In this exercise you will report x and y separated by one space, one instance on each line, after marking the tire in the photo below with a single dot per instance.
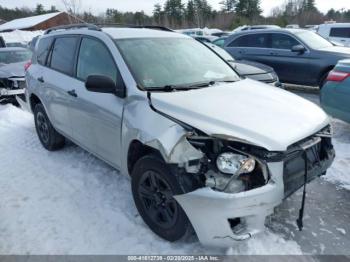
153 187
48 136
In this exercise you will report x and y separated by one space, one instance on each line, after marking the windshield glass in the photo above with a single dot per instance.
8 57
314 40
159 62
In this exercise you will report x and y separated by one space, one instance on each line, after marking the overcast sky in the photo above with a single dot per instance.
98 6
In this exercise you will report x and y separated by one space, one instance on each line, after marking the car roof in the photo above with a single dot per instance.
277 30
122 32
11 49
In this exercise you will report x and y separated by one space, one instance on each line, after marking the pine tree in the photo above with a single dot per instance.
157 13
248 8
228 5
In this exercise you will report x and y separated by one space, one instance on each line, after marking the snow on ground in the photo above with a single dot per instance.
69 202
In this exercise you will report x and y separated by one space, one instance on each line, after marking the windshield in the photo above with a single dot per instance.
160 62
8 57
314 40
221 52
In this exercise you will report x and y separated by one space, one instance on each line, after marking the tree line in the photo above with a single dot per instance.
199 13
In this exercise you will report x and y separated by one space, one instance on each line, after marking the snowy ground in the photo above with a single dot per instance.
69 202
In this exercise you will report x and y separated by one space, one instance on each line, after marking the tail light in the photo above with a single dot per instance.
337 76
27 65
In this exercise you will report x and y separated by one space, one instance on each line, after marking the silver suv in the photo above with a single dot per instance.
205 149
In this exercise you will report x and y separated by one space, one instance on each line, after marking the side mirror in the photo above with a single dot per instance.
298 49
103 84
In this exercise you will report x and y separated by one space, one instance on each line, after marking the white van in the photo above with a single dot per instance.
337 32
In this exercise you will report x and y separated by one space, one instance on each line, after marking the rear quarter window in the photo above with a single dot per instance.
343 32
43 49
251 40
63 54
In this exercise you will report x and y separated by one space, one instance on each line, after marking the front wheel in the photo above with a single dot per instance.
48 136
153 189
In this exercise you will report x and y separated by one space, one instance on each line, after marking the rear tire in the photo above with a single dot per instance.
153 187
48 136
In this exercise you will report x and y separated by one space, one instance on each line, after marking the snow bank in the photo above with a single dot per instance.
69 202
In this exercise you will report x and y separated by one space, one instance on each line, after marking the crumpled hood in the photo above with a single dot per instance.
248 110
12 70
245 68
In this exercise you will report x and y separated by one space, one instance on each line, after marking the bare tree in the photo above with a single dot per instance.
72 6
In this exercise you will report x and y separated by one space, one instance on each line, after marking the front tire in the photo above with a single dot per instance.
48 136
153 187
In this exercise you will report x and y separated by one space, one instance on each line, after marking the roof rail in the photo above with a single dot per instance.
155 27
72 26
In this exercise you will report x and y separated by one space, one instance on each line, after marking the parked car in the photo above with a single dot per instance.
249 69
205 39
298 56
221 34
337 32
203 147
12 81
254 27
220 41
294 26
335 94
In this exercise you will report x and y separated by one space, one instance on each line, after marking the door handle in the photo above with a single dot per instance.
72 93
41 79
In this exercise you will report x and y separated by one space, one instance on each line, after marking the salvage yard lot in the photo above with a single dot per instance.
69 202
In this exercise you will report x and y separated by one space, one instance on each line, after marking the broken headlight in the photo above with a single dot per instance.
232 163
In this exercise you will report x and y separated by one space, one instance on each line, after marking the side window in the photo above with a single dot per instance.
43 49
219 42
340 32
252 40
63 54
282 41
95 59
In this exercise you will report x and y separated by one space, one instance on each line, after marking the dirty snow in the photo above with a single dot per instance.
69 202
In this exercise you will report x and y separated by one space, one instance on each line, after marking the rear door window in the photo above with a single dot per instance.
95 59
251 40
343 32
283 41
63 54
43 49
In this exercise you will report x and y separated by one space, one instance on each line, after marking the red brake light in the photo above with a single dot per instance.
27 65
337 76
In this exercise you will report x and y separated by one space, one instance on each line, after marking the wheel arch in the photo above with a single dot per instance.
323 73
138 150
33 101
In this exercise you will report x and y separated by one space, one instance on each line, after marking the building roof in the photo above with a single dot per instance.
27 22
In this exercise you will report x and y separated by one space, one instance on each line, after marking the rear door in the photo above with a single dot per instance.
97 117
58 81
291 67
254 47
340 35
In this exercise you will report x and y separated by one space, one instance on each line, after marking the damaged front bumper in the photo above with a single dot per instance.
211 212
221 218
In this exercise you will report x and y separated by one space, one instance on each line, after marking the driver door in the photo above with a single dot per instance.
97 117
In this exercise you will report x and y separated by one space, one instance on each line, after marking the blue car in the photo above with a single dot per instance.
298 56
335 94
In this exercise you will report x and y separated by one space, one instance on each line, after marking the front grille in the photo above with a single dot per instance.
294 164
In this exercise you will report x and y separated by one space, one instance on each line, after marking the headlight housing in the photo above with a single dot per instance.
233 163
